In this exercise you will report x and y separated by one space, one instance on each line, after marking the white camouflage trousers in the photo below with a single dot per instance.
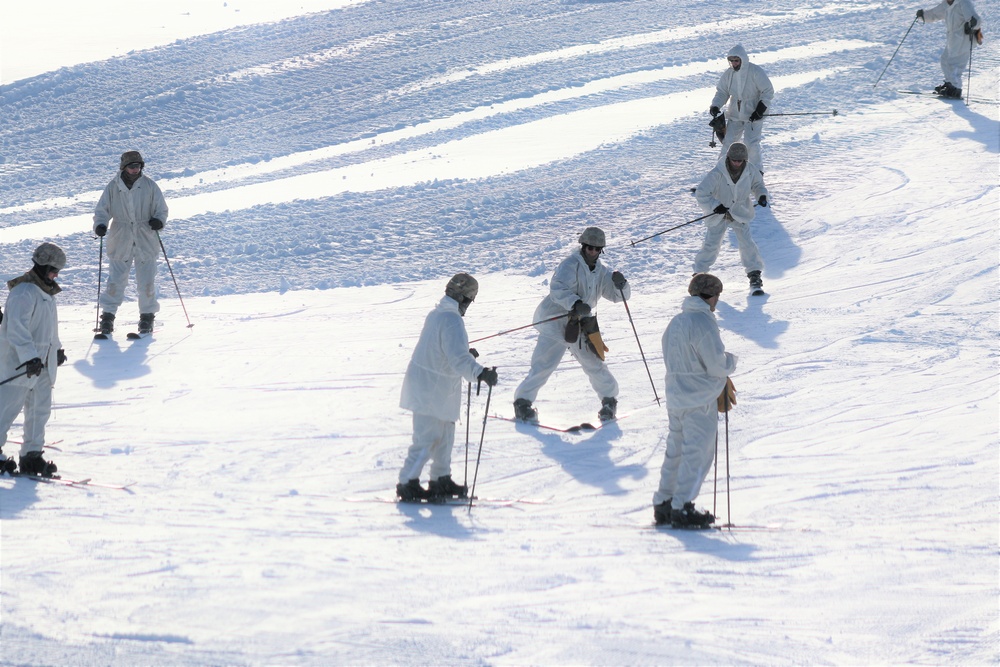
690 451
545 359
433 440
715 231
36 400
145 285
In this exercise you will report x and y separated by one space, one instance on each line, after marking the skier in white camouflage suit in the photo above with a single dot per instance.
30 352
749 92
698 370
577 285
134 208
729 192
432 390
963 31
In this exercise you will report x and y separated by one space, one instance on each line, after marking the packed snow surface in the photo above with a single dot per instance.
330 165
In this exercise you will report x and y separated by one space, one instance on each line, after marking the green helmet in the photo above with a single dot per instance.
49 254
705 285
462 286
593 236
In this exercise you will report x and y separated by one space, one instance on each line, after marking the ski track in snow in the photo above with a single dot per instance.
314 216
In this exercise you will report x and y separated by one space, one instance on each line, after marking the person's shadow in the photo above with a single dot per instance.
982 128
111 363
587 460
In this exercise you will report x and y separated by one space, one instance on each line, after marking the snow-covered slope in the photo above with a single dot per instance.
327 174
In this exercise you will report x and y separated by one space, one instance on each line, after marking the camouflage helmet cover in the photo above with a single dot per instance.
49 254
128 157
705 285
593 236
462 286
738 151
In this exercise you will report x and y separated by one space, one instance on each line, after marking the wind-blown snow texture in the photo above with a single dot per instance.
326 174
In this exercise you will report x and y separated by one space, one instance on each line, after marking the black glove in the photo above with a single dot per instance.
920 14
155 224
489 376
60 357
758 113
762 200
101 230
715 111
618 279
581 309
33 367
474 352
720 209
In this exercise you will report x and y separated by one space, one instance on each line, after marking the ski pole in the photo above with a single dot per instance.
167 259
639 343
715 485
968 83
503 333
804 113
482 436
14 377
729 506
896 51
100 270
671 229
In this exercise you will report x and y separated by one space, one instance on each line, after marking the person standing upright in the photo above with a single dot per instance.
29 342
729 192
698 370
432 391
748 90
963 30
131 211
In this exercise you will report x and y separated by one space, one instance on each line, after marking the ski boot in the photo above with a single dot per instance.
107 323
608 407
32 463
661 513
951 92
7 464
756 284
411 492
523 412
940 89
146 323
443 488
690 518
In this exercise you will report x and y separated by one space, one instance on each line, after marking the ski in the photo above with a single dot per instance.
585 427
131 335
757 291
476 500
77 483
926 93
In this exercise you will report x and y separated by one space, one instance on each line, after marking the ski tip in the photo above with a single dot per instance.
101 336
586 426
133 336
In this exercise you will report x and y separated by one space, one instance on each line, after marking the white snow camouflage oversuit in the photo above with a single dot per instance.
572 281
432 389
126 214
697 366
958 45
743 89
718 187
30 329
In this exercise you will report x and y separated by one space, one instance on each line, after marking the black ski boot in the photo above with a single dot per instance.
523 412
951 92
444 487
107 323
661 513
940 89
146 323
608 407
756 284
690 518
32 463
411 492
7 464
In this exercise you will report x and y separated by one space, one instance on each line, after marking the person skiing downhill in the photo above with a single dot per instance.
134 207
698 370
29 343
432 390
729 192
749 92
963 31
577 284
